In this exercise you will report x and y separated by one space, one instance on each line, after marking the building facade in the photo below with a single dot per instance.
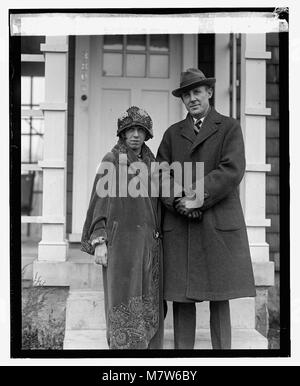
85 83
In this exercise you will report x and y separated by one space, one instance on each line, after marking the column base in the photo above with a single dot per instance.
52 251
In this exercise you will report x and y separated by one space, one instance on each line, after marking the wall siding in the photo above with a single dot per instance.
272 155
272 144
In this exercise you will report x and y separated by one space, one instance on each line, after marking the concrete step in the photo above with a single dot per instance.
78 272
96 339
85 340
242 338
85 310
242 312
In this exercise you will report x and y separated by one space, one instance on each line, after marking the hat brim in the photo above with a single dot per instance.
148 132
203 82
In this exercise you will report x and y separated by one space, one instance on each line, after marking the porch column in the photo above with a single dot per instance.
53 246
253 122
222 73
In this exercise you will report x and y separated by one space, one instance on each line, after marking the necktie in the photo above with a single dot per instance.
197 126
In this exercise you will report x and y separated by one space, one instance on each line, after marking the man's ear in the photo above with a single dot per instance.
210 92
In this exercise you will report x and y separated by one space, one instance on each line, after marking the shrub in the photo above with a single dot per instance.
38 330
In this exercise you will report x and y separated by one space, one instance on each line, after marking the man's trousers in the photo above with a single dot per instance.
184 319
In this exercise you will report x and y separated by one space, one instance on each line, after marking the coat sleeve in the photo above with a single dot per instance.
229 173
97 213
164 154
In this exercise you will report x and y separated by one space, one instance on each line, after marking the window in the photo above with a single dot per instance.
32 129
32 124
136 56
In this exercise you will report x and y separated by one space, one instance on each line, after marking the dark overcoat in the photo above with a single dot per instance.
208 259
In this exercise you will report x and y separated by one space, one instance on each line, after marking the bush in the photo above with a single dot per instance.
40 329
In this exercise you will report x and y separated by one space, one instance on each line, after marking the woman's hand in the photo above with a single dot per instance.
101 254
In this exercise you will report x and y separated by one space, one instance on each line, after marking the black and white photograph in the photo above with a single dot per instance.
149 164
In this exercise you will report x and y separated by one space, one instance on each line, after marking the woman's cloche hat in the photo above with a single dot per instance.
192 77
135 116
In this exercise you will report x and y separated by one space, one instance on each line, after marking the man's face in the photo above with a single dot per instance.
135 137
197 100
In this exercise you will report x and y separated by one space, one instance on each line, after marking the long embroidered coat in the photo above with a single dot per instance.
133 277
207 260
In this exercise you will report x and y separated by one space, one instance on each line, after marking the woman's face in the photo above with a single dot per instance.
135 137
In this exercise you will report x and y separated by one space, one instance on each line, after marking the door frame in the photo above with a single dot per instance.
81 111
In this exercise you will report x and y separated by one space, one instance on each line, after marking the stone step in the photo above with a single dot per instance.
242 313
242 338
85 310
96 339
85 340
85 275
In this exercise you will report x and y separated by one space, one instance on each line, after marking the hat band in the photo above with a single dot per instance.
194 80
136 123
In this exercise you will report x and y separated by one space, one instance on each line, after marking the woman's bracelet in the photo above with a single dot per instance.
98 241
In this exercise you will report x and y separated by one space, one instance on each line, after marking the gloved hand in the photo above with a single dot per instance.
179 205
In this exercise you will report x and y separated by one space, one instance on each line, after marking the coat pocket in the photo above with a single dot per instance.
229 216
113 233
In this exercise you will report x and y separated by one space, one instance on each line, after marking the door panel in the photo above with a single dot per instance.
157 105
112 95
113 101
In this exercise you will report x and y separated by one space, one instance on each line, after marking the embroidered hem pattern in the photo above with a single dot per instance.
132 325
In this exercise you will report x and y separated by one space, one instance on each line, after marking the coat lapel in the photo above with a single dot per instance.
209 127
187 129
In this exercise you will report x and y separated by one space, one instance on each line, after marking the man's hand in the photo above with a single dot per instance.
180 206
101 254
196 214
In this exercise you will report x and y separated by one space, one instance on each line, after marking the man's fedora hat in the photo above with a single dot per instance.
191 78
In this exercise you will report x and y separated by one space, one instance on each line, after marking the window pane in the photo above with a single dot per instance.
31 44
136 42
38 91
112 64
135 65
25 148
159 42
25 90
159 66
38 182
32 69
38 126
113 42
25 126
37 147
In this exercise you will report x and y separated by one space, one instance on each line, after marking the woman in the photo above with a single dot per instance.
123 233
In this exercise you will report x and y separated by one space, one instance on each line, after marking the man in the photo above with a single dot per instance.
206 251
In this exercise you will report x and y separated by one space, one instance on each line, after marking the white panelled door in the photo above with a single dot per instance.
129 71
123 71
